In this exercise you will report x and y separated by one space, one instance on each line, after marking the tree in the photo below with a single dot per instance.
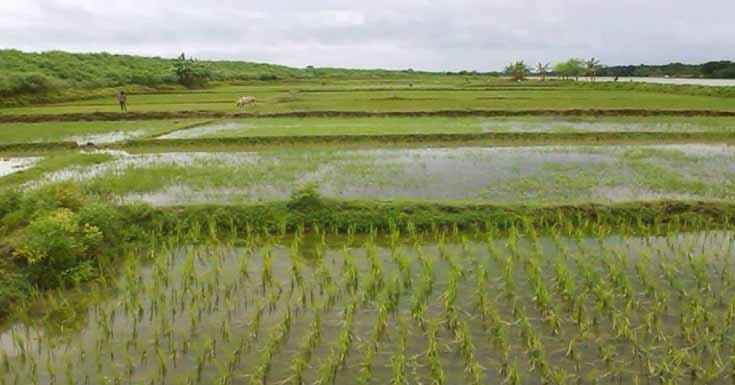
543 69
191 73
591 68
517 70
709 69
570 68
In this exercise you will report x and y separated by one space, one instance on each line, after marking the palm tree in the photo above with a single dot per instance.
591 67
543 69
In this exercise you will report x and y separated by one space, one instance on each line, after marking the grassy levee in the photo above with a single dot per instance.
204 114
360 215
424 140
20 148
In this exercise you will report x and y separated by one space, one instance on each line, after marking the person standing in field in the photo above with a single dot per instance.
123 100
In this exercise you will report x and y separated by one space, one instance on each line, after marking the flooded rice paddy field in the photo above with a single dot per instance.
433 125
97 132
433 308
12 165
546 174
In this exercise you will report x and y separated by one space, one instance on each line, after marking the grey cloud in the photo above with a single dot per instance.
423 34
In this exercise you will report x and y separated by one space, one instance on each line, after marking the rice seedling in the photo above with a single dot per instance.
303 356
398 360
432 353
279 334
338 354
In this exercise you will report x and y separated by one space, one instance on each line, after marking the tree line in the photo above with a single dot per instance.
722 69
591 68
572 68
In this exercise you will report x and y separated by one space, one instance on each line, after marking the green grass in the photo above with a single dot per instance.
285 98
77 131
289 126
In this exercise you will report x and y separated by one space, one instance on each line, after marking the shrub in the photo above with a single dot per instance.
32 83
105 218
191 73
13 288
266 77
55 245
27 83
305 198
56 235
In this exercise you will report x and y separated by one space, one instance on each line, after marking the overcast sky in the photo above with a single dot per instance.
420 34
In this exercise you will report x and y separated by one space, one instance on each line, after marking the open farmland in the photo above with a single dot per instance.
396 95
424 230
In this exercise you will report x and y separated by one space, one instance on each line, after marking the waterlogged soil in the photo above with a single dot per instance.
221 128
124 161
108 137
430 125
698 82
83 132
466 309
12 165
545 174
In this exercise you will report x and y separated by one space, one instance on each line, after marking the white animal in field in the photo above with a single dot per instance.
245 100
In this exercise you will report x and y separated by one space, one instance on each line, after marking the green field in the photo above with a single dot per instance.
586 247
510 175
332 97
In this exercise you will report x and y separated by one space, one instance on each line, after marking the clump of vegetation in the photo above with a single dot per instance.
572 68
517 70
305 198
56 237
191 73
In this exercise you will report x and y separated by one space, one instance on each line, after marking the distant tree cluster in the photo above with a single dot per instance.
591 68
570 69
722 69
574 68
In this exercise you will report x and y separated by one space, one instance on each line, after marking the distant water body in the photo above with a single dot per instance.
700 82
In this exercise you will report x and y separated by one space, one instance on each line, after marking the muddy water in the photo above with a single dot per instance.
182 318
124 161
205 129
698 82
108 137
561 125
12 165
